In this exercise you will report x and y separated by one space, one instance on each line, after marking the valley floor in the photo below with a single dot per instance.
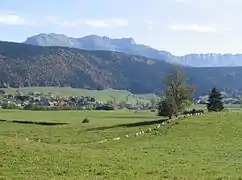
201 147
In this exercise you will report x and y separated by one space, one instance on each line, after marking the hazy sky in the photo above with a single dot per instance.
179 26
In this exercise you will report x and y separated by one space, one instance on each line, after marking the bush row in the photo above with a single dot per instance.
61 108
55 108
10 106
194 111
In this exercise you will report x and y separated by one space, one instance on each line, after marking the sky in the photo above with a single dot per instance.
178 26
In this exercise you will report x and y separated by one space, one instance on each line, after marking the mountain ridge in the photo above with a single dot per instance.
95 42
129 46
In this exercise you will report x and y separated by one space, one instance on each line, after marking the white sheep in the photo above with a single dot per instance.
103 141
149 130
158 126
136 134
142 132
116 139
127 136
27 139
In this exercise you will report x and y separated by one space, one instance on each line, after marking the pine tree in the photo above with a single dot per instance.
215 101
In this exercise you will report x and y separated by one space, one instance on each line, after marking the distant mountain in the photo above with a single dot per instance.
94 42
211 60
129 46
28 65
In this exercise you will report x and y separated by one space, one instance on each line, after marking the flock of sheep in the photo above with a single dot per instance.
149 130
156 127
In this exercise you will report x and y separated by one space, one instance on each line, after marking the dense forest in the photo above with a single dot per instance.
28 65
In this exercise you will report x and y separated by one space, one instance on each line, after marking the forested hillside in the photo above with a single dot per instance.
27 65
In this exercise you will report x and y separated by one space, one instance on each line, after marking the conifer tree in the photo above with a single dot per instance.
215 103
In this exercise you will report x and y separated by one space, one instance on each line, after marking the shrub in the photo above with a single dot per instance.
194 111
10 105
34 107
167 107
152 110
48 108
105 108
86 120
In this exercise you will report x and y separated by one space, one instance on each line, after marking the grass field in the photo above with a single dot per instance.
231 107
104 95
201 147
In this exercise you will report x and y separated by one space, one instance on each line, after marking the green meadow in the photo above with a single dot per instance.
200 147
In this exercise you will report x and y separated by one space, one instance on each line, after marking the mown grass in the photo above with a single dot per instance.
104 95
201 147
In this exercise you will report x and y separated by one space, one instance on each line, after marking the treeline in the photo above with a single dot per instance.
34 107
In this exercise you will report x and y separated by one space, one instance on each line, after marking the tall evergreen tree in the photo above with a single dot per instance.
215 103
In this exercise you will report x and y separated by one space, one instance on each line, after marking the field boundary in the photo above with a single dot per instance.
149 130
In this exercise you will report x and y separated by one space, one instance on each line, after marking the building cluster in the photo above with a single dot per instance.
204 100
40 101
20 99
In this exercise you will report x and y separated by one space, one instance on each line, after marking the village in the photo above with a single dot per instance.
40 101
226 100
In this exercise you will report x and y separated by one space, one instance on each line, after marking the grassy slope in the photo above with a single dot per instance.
205 147
108 94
